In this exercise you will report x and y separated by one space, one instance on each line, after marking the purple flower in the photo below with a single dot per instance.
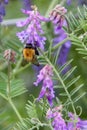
33 32
57 16
58 122
47 88
2 9
68 2
27 4
76 124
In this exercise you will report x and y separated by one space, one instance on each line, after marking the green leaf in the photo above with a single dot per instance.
61 69
3 76
17 88
69 73
79 97
76 89
73 81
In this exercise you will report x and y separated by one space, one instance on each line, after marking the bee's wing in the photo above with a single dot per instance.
35 61
36 51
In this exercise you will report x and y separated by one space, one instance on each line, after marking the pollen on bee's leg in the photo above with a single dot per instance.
27 54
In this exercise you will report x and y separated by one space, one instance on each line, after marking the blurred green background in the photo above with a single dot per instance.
28 75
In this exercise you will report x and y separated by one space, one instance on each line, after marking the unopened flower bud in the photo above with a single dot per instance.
57 15
10 55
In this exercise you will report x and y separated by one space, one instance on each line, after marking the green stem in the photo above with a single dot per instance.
53 3
60 79
8 84
18 64
15 110
2 95
8 93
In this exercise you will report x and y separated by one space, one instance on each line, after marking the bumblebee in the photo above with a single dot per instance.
29 54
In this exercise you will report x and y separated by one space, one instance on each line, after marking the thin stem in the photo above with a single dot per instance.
8 93
8 84
18 64
60 79
15 110
53 3
2 95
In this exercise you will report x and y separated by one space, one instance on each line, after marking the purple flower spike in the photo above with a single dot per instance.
65 48
58 122
2 9
64 53
47 88
34 31
79 125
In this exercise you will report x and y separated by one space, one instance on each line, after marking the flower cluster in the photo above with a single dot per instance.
57 16
47 88
78 125
33 33
2 9
58 123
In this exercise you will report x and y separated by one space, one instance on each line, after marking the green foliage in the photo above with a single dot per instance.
77 30
65 82
68 87
77 23
17 87
4 120
36 113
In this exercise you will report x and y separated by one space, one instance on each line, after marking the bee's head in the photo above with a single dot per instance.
28 46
